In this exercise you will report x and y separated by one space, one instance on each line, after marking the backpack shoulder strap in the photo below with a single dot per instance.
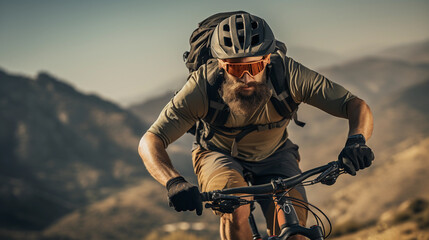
218 110
279 78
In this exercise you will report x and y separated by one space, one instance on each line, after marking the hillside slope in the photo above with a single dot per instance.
60 149
133 213
416 53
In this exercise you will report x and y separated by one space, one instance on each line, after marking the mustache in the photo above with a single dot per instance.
238 85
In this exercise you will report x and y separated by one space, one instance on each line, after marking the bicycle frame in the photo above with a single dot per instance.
328 175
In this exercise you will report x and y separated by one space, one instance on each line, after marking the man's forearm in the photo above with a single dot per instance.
360 118
156 159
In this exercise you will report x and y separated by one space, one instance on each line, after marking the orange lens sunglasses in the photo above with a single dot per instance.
252 68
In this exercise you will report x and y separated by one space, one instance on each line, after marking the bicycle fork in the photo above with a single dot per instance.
255 232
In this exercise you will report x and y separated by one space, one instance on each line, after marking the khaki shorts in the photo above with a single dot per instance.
216 171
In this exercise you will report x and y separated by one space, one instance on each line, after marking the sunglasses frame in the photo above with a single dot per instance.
266 60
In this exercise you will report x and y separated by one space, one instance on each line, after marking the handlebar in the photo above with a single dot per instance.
225 202
329 174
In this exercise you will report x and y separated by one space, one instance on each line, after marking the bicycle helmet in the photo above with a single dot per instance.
242 35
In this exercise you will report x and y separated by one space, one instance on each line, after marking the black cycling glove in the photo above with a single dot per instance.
356 154
184 196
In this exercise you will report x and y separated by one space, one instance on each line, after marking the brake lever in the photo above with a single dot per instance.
330 175
222 207
225 203
330 179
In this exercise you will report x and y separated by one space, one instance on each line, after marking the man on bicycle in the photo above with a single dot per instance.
253 138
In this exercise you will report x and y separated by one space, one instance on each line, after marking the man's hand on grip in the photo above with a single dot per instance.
184 196
356 154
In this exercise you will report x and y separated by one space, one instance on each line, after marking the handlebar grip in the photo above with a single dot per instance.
206 196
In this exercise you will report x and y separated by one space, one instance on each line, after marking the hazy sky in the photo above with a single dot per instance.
126 50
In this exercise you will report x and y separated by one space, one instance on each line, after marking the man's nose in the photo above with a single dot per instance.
247 78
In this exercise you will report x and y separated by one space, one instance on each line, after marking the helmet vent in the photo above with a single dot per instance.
227 41
254 25
241 39
240 25
255 40
226 27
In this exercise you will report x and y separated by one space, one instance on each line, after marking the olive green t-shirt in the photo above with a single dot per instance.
191 104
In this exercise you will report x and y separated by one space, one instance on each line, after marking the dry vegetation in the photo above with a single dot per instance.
172 236
138 211
409 221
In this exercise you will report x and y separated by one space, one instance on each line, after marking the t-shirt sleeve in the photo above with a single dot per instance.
182 112
313 88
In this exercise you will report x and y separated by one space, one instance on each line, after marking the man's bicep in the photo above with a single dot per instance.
331 98
303 82
313 88
191 101
170 125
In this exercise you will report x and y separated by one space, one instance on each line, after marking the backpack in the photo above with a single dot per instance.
200 52
217 115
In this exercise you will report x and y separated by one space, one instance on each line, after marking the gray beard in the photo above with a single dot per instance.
240 104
